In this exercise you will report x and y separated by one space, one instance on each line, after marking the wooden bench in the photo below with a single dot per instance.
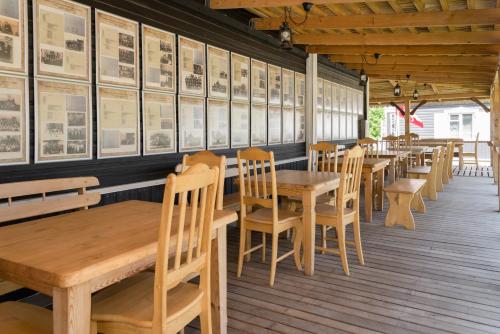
404 195
30 199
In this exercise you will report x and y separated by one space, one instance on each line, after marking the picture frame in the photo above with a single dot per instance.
258 125
274 85
274 123
349 113
240 124
159 60
159 126
259 81
191 123
300 90
342 112
240 77
117 122
14 37
300 125
217 124
288 90
62 40
63 121
117 50
192 67
327 95
335 112
288 125
218 68
320 93
14 120
327 125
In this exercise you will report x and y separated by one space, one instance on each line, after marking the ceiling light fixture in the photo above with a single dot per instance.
285 30
397 89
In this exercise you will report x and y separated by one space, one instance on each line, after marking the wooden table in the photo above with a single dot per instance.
372 166
459 144
394 157
419 152
70 256
308 185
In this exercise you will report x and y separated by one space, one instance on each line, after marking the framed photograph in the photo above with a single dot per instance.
335 112
191 123
240 77
14 36
63 119
62 40
240 124
14 121
217 124
288 88
159 123
274 125
300 125
288 125
319 94
117 50
300 90
349 112
159 60
274 84
218 73
259 82
118 122
258 132
192 59
327 125
342 112
319 124
327 95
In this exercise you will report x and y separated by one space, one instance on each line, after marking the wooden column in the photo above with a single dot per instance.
407 121
495 124
311 92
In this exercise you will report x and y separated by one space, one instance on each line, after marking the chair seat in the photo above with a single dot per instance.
330 211
22 318
265 216
419 170
131 301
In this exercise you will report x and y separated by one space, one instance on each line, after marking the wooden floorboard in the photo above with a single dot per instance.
444 277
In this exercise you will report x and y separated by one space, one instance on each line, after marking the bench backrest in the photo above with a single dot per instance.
14 208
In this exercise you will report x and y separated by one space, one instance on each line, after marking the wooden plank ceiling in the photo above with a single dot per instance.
450 48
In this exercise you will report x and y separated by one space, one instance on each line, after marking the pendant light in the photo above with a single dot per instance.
397 90
285 31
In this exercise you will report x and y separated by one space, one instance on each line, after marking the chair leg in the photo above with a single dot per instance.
297 243
357 240
477 161
206 316
274 258
323 238
241 254
263 247
342 248
248 257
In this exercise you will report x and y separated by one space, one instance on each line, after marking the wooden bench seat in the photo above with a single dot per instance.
404 195
420 170
22 318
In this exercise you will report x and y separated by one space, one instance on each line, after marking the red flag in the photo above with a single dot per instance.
413 119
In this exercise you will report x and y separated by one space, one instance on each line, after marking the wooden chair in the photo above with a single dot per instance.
429 173
161 302
390 143
449 166
444 174
414 139
473 154
22 318
41 202
260 189
340 216
371 146
441 161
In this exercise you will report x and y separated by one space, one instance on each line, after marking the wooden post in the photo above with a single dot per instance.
407 121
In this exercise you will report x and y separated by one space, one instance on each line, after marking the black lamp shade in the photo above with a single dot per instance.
363 78
415 94
286 36
397 90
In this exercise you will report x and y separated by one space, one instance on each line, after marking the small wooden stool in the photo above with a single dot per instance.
404 195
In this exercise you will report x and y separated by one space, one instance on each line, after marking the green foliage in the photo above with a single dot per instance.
375 117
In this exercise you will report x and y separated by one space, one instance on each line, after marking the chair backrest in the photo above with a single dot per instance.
371 146
441 160
445 173
184 234
38 203
476 144
212 160
320 157
449 166
390 143
402 140
414 139
254 181
350 179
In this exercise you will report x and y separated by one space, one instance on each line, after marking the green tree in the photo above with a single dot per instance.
375 117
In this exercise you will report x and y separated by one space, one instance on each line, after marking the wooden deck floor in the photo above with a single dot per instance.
472 170
442 278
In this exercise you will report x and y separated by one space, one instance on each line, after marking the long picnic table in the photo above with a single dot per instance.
72 255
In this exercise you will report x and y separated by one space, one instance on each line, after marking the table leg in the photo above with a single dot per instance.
379 206
218 284
392 171
460 157
309 221
368 196
72 310
399 211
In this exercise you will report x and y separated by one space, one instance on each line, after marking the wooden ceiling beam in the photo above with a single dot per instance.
470 82
418 60
413 50
234 4
426 68
443 38
402 74
435 97
404 20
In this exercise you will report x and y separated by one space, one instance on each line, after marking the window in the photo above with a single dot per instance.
455 125
467 126
461 126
